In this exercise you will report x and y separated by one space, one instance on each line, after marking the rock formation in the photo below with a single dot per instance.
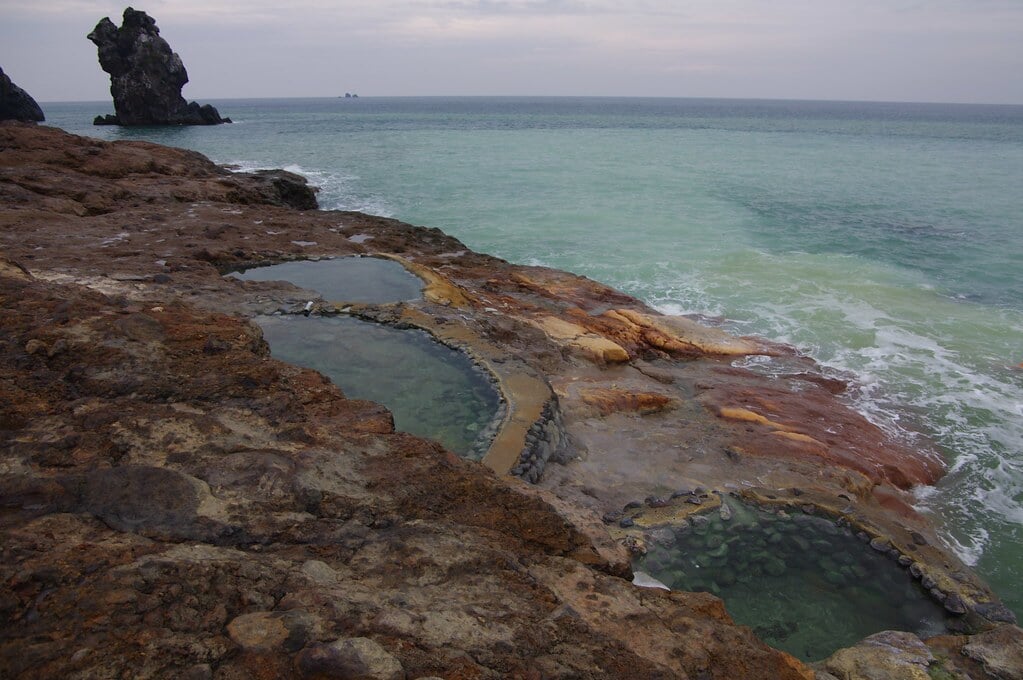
176 503
146 77
15 103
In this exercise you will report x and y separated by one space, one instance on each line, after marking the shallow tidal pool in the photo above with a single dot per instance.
366 280
804 584
433 391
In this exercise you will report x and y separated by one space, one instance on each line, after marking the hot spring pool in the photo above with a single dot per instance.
801 582
433 391
367 280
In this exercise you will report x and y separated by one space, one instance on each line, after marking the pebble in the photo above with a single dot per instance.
954 604
33 346
612 516
626 522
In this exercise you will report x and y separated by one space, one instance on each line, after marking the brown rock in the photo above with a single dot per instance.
258 632
889 655
610 400
175 498
350 659
267 632
1000 651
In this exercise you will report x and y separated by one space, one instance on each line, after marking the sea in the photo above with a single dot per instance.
885 240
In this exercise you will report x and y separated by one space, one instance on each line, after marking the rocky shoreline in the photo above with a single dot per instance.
177 503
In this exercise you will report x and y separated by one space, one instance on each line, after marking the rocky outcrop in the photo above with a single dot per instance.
146 77
16 104
177 503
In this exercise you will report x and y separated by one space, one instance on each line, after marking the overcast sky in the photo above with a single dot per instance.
888 50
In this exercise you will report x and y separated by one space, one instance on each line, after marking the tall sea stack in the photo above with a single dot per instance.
146 76
15 103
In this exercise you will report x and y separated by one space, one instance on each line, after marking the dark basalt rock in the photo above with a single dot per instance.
280 187
15 103
146 77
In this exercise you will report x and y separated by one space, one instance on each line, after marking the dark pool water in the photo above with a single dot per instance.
804 584
433 391
367 280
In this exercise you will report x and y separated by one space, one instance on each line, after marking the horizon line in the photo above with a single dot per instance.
559 96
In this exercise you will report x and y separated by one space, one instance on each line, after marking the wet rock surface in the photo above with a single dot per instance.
177 503
16 104
146 76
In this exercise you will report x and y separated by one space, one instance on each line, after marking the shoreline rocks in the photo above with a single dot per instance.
294 517
16 104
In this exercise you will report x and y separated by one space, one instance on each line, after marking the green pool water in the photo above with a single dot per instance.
804 584
433 391
368 280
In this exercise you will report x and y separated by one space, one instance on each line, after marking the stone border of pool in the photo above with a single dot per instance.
530 430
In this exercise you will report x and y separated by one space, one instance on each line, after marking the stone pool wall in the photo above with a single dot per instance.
545 440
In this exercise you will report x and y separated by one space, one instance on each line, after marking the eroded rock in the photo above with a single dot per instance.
1000 651
350 658
890 655
128 353
146 77
16 104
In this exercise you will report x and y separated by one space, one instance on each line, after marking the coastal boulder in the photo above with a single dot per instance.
15 103
146 76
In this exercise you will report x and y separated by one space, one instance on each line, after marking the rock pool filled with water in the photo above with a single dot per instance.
804 584
433 391
367 280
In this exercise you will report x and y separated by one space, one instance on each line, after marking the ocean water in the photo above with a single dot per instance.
884 240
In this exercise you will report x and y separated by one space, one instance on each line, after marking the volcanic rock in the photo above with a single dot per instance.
888 655
16 104
178 503
146 77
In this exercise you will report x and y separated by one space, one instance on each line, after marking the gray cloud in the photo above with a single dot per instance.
941 50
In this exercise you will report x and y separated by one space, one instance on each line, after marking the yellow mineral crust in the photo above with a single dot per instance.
780 429
591 345
437 289
679 335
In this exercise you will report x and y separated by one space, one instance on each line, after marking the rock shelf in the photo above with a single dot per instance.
179 503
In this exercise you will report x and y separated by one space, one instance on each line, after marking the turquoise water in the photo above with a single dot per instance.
431 390
804 584
885 240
